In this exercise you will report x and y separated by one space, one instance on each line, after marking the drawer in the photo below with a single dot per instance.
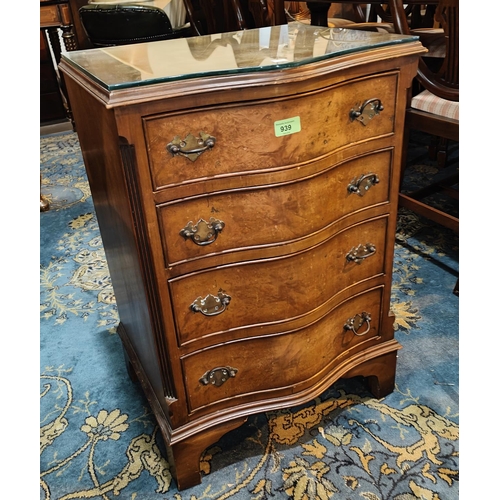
293 360
54 15
325 125
275 290
211 224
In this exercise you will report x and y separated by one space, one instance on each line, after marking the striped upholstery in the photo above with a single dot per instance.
425 101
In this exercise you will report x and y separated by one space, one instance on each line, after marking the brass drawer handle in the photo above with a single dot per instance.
355 323
366 111
211 305
362 184
217 376
361 252
191 147
203 232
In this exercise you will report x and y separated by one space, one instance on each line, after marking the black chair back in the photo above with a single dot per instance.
109 25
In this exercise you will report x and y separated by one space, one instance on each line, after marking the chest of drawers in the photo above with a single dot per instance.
246 194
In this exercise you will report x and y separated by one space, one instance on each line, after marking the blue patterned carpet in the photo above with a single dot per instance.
99 440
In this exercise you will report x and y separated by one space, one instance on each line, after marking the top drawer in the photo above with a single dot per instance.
326 123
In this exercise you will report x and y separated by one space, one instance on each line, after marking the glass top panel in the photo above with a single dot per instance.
245 51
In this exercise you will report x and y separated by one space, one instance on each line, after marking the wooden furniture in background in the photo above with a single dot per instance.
435 110
54 15
319 10
108 25
248 214
52 107
82 40
217 16
57 15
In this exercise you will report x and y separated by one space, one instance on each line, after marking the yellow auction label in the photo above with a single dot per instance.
287 127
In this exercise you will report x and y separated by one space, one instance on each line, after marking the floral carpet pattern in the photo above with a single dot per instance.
99 439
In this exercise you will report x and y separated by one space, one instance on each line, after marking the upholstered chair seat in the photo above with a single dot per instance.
431 103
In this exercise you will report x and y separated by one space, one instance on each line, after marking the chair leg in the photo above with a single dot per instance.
443 185
404 155
438 151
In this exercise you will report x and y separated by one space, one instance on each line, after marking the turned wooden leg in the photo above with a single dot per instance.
319 13
379 372
184 456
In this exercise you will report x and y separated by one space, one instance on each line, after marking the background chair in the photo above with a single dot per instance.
417 15
434 110
215 16
374 16
107 25
220 16
345 14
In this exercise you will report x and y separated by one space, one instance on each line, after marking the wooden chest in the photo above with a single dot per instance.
246 191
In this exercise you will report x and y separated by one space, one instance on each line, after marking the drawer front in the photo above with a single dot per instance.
325 125
293 360
54 15
217 223
275 290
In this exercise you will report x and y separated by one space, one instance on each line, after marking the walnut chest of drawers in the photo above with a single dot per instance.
245 186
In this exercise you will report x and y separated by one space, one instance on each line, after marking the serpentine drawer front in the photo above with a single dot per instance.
282 212
245 138
264 291
288 361
247 202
